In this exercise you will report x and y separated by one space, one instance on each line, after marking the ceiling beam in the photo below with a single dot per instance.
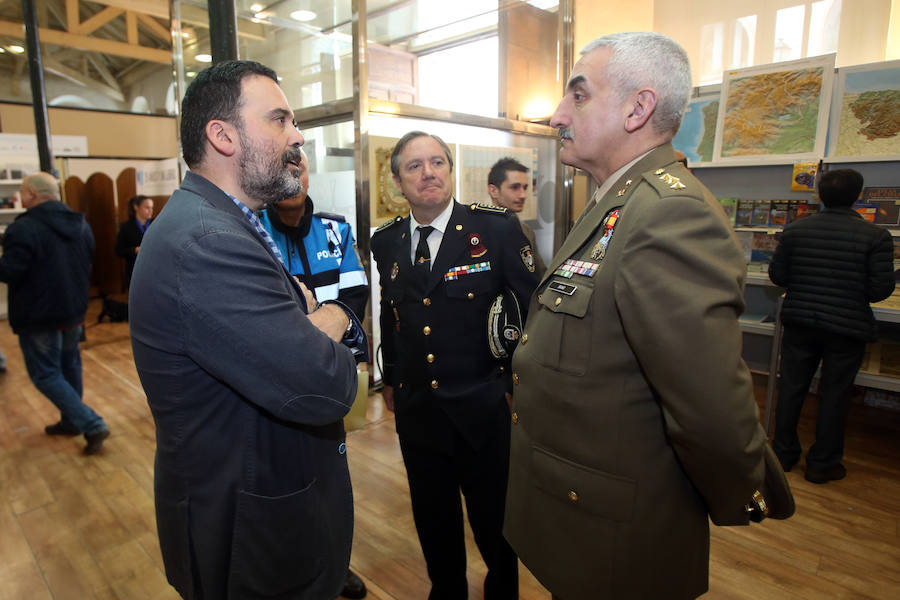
101 68
97 21
73 20
131 35
61 38
190 15
154 28
74 76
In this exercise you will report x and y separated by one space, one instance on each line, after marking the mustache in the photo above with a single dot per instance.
564 134
291 154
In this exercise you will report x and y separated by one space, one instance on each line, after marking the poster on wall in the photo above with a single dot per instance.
158 177
776 113
697 134
865 119
475 164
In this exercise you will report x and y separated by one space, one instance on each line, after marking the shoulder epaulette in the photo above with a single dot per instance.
488 208
331 216
388 224
667 183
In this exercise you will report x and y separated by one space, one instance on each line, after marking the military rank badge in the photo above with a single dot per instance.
395 270
609 225
476 247
527 258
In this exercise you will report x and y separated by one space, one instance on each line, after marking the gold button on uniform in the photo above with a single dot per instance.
558 301
516 378
426 301
434 384
426 330
515 418
430 358
573 496
470 295
524 339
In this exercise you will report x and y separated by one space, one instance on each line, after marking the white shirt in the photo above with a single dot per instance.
434 240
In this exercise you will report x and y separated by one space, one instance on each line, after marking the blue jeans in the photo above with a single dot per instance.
53 361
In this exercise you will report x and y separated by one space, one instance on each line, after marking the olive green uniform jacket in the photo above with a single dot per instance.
633 413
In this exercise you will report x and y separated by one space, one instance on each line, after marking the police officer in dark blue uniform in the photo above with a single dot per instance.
441 270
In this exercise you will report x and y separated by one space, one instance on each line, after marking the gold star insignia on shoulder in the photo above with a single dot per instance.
672 181
621 192
659 171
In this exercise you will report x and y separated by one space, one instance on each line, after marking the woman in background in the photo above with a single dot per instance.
131 232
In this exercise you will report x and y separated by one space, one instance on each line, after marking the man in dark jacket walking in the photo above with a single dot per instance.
833 265
47 255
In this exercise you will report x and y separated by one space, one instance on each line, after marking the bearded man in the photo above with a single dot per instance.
247 386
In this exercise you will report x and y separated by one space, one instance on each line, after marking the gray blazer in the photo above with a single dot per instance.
253 493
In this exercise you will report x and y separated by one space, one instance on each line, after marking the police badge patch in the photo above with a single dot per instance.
527 258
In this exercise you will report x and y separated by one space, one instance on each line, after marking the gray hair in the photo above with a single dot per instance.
44 185
646 59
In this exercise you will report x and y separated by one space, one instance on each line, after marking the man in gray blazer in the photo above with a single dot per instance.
246 384
633 414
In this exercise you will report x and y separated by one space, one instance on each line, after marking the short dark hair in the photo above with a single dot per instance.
498 172
840 187
214 94
133 204
402 142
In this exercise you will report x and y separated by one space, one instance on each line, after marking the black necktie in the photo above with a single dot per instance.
423 254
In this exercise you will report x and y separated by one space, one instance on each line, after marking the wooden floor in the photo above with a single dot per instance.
76 527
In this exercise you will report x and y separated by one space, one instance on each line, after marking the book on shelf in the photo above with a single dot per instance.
762 249
867 210
803 178
887 200
801 208
779 214
729 205
743 216
761 210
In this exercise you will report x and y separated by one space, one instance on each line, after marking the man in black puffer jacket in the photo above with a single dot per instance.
47 255
833 265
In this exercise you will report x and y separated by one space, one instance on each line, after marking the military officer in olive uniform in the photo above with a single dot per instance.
633 417
441 269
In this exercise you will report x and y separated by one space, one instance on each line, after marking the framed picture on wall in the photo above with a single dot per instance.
776 113
697 135
385 199
865 116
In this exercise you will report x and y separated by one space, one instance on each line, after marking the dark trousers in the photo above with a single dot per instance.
802 349
435 481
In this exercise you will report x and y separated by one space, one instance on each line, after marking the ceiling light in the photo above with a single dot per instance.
303 15
255 20
261 16
16 49
190 74
2 50
256 7
204 58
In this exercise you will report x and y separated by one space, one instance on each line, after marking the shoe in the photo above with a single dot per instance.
787 465
354 587
95 441
60 429
831 474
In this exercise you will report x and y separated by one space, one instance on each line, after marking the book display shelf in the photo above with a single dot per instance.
11 173
759 322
